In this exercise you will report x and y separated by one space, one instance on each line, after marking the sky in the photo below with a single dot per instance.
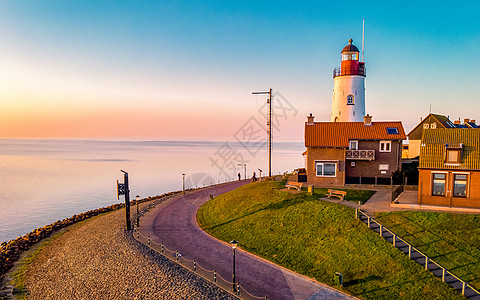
187 69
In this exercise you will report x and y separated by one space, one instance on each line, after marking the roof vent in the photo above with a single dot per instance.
310 119
367 120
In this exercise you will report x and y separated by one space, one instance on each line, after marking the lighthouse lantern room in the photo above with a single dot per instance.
348 103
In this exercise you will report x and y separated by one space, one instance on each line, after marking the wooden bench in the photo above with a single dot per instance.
295 185
336 193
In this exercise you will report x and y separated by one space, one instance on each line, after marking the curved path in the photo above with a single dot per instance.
173 223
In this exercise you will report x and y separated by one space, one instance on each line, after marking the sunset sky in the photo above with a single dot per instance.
187 69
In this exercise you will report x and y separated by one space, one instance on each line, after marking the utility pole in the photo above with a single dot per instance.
269 128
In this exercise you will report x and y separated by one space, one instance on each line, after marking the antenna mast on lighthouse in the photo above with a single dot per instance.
363 38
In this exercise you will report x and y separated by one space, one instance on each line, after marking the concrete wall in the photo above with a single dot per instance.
473 189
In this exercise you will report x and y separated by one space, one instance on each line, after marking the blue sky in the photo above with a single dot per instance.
179 69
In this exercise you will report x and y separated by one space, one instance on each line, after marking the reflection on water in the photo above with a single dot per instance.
46 180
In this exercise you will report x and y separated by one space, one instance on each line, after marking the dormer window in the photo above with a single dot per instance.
453 155
353 145
350 99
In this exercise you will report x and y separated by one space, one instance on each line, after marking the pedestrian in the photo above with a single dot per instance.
254 178
239 177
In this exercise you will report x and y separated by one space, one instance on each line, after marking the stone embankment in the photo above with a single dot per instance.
100 260
10 251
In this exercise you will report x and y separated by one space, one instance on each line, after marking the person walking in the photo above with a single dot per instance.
239 176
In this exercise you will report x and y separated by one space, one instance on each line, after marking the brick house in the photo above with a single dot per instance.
341 151
449 169
432 121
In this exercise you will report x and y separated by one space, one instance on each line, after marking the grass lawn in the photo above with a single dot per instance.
318 238
452 240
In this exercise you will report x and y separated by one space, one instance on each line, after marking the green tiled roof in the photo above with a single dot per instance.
434 141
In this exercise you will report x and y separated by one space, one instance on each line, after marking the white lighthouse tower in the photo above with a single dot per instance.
348 103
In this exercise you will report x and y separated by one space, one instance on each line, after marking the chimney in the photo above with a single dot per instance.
466 120
472 121
310 119
367 120
456 122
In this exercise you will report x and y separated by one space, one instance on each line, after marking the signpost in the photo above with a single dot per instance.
122 189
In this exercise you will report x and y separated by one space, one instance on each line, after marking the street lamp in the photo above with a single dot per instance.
137 198
183 175
245 166
234 244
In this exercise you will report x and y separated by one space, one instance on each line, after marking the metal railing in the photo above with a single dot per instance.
360 154
354 70
416 255
191 264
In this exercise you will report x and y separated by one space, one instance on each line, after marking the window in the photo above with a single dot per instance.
433 125
383 167
453 156
438 184
353 145
350 99
385 146
392 130
326 169
459 185
426 126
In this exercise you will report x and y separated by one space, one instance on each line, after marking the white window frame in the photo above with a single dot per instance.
323 162
350 99
351 143
387 144
426 126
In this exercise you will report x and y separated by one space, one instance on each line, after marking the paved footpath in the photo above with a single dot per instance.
173 223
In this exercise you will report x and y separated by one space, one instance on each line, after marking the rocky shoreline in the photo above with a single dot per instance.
100 260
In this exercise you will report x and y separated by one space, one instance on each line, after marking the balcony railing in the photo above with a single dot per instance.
360 70
360 154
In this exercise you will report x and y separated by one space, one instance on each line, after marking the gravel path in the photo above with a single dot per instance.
98 260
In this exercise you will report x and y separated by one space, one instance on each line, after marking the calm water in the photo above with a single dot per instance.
46 180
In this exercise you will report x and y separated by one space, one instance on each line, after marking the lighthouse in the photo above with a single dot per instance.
348 103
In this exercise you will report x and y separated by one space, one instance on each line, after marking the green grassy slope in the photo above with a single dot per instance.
452 240
317 239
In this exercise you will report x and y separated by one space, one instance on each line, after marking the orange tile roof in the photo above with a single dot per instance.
338 134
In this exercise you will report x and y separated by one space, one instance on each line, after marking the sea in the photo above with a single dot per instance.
45 180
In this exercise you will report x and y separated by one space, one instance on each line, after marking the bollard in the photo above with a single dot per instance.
238 289
443 275
463 288
356 213
410 251
176 255
368 220
394 239
194 265
162 247
381 226
214 275
426 262
149 240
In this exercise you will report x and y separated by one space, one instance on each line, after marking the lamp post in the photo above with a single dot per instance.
234 244
137 198
126 192
245 167
183 176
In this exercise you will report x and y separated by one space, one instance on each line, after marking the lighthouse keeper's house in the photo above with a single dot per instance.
341 151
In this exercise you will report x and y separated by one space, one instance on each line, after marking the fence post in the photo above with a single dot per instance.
381 230
214 275
463 288
356 213
443 274
426 262
368 220
409 251
394 239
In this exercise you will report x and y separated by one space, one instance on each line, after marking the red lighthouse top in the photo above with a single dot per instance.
350 64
